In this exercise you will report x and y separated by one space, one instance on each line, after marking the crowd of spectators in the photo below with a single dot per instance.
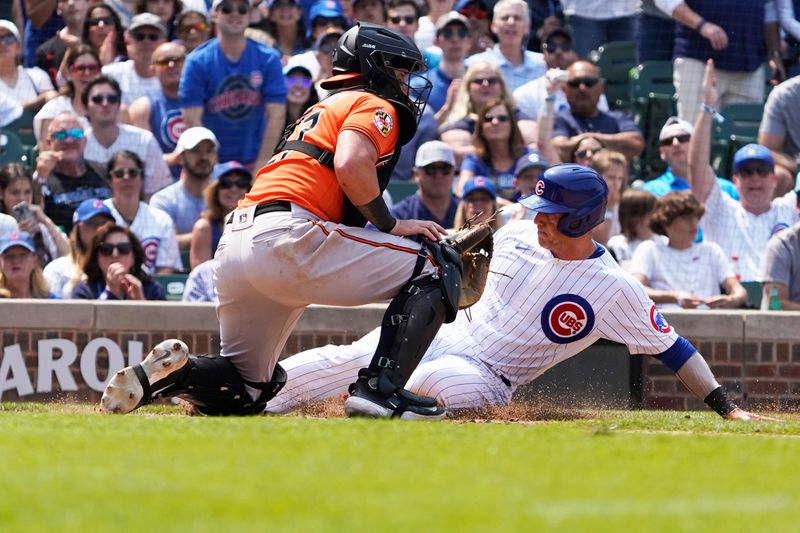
153 117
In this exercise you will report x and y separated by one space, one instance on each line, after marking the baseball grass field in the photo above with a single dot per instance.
68 468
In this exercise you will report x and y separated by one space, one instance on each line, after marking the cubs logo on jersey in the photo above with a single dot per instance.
150 247
567 318
658 321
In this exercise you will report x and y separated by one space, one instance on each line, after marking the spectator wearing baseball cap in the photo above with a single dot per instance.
29 87
478 203
434 170
526 173
743 228
301 91
673 146
183 200
478 17
20 273
230 182
134 76
324 16
62 273
452 38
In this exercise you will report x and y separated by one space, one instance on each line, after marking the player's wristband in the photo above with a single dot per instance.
378 213
719 402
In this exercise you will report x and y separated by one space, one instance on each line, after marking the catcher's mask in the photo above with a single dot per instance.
578 192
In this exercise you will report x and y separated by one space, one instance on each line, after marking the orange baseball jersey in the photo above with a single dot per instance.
301 179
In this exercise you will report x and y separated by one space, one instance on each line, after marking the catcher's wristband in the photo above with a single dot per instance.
378 213
719 402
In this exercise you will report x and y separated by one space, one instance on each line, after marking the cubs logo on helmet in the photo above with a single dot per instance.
540 187
567 318
658 321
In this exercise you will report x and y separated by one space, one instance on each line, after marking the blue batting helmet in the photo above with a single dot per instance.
578 192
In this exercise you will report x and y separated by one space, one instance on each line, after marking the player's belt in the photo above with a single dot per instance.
268 207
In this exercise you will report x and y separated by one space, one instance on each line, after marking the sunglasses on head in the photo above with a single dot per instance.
198 26
153 37
486 81
86 70
302 81
8 39
227 9
106 249
242 182
100 98
96 21
166 61
474 12
564 46
588 82
761 170
586 152
408 19
432 170
684 138
75 134
488 117
122 172
449 33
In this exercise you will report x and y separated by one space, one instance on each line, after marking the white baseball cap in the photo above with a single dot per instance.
434 152
194 136
10 26
675 126
217 3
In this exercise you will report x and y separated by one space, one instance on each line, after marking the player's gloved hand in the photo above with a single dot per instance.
412 227
741 414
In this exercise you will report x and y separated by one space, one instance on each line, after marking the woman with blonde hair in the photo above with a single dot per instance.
482 82
20 273
498 144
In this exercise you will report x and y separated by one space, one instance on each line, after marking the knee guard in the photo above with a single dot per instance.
214 386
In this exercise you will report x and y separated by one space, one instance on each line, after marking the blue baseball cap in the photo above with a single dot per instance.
17 238
752 152
461 4
480 183
532 159
325 8
226 168
88 209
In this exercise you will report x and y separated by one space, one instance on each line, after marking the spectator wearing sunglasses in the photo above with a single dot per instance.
152 226
192 29
742 228
160 113
29 87
234 86
323 17
452 37
429 23
135 77
65 176
403 16
114 269
230 182
103 31
107 135
434 170
81 65
614 129
477 14
50 53
183 201
673 147
511 25
301 91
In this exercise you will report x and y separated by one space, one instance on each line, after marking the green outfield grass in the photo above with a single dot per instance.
66 468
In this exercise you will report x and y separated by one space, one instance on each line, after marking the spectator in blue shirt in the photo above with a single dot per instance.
234 86
674 149
433 171
511 25
452 36
614 129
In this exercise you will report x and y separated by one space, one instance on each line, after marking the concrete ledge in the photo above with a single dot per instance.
722 324
154 316
773 326
47 314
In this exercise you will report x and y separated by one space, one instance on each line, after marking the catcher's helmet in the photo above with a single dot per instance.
575 190
367 56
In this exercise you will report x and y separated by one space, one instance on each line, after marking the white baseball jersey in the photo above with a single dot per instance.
698 270
743 236
142 143
133 86
536 311
154 229
61 274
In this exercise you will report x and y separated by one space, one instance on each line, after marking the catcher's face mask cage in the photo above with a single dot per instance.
396 77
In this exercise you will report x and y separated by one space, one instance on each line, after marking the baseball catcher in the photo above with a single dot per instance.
298 238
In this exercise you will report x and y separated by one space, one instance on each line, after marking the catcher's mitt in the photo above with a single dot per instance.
475 245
